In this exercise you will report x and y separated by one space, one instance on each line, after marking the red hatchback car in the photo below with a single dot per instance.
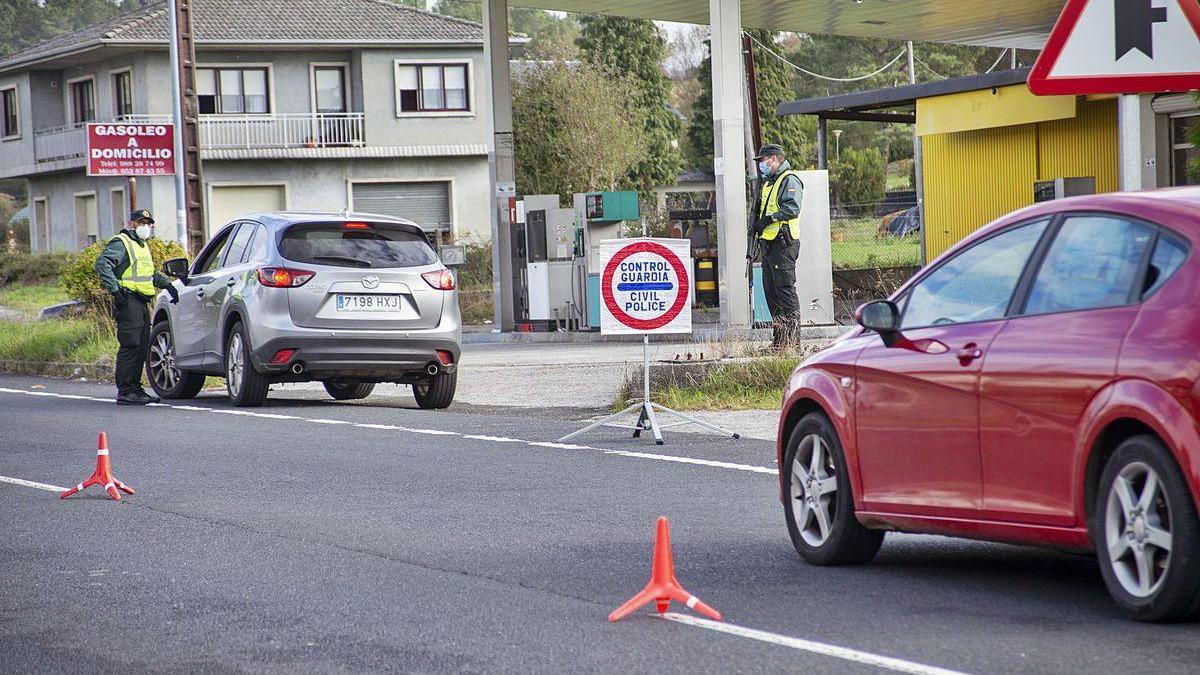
1039 383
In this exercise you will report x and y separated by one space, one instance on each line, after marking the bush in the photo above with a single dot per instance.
857 180
475 281
80 282
27 268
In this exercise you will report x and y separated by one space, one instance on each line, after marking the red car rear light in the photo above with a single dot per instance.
283 356
442 280
357 226
445 357
283 277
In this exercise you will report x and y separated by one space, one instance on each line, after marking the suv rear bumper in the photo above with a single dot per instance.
350 354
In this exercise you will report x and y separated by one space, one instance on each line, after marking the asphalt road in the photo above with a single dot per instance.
297 538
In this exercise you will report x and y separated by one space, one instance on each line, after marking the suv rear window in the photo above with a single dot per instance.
375 245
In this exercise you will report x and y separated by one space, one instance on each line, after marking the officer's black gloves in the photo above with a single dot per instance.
173 293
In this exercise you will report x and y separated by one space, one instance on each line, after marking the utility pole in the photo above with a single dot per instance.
752 95
918 163
189 207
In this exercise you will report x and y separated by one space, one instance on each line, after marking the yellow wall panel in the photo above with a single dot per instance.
1084 146
974 177
988 109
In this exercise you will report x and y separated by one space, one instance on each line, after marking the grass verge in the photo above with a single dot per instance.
740 385
735 381
58 347
28 300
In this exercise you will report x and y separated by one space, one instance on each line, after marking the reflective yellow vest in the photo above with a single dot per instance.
770 204
139 276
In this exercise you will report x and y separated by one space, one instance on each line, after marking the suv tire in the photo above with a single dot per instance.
348 390
247 387
1143 516
437 392
165 379
817 491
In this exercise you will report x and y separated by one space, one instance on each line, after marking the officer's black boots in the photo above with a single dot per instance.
131 398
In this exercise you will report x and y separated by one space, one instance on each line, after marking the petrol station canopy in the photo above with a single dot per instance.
1024 24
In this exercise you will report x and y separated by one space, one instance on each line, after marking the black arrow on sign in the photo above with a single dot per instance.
1135 21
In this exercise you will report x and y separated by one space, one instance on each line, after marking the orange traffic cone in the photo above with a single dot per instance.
102 475
663 587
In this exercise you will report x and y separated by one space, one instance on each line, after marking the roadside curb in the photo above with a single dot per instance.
484 335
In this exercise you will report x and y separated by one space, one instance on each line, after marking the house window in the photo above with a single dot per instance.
123 94
9 127
329 87
1185 156
432 87
83 102
232 91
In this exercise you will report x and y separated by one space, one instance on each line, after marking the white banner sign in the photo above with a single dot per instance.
645 286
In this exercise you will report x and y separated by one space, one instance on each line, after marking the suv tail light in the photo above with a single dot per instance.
283 277
442 280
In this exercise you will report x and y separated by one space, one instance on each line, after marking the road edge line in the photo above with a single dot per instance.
32 484
819 648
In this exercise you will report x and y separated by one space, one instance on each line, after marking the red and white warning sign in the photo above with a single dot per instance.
1121 47
645 286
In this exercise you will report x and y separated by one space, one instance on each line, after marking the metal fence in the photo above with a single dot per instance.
875 248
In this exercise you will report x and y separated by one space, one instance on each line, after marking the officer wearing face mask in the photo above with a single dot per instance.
778 230
126 270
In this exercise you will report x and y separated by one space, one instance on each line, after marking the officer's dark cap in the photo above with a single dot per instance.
140 215
768 150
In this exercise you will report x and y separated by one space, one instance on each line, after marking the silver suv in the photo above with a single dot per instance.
348 300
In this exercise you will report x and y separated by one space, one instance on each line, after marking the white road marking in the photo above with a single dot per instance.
820 648
32 484
432 432
693 460
561 446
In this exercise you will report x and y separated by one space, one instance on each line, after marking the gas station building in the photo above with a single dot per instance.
989 144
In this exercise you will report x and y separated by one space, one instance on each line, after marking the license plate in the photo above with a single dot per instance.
368 303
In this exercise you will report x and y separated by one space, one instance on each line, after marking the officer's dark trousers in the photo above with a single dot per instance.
779 285
133 335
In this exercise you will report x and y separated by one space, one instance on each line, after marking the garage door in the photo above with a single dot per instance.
230 202
427 204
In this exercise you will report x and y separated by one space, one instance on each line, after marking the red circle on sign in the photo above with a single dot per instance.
681 296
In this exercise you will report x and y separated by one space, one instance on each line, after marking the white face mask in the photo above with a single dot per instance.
143 231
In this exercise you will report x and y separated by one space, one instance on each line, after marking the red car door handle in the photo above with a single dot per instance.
969 353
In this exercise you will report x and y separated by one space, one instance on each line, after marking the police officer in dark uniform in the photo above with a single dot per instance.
126 270
777 228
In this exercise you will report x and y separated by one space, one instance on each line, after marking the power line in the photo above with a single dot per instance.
826 77
998 59
935 73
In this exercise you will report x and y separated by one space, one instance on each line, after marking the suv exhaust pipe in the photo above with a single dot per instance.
298 368
432 369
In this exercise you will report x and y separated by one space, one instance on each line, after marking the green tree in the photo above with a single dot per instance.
550 36
775 84
24 23
857 179
635 47
700 127
563 147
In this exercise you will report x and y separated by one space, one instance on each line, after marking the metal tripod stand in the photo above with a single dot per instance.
647 419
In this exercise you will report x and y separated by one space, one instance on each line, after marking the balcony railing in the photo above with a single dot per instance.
292 130
304 130
58 143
